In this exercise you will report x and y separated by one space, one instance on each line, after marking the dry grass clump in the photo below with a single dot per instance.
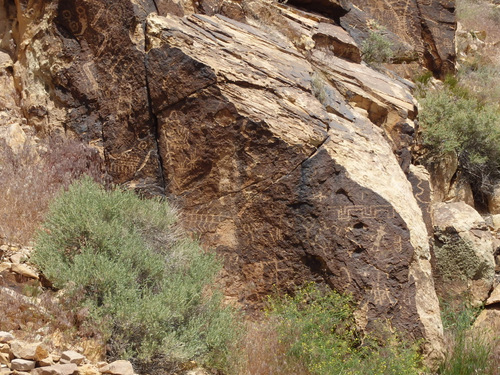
32 175
468 350
262 352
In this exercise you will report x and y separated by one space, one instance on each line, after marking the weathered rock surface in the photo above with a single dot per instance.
65 369
494 201
24 270
487 327
285 164
464 250
494 297
6 337
70 356
78 364
80 69
441 169
88 369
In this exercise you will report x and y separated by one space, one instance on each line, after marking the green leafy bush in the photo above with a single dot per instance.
452 120
319 328
150 290
376 48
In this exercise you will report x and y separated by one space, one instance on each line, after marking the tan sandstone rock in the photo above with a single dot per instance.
327 182
494 296
4 358
442 169
487 325
24 270
88 369
71 356
119 367
17 258
460 191
291 164
5 337
427 25
5 266
494 201
22 364
25 350
49 361
5 354
59 369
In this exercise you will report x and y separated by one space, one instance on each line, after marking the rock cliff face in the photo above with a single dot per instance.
427 25
284 152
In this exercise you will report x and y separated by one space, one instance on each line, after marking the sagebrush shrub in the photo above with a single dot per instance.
459 122
149 289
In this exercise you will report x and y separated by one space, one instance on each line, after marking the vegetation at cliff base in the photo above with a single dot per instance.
316 327
124 261
469 351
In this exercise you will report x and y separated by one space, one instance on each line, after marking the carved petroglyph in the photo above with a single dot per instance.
271 269
87 68
419 195
345 213
78 22
125 164
103 22
129 160
380 293
201 223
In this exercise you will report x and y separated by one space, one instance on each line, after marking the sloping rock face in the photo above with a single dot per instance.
291 166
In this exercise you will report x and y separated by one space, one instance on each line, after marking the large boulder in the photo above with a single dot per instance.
286 189
464 251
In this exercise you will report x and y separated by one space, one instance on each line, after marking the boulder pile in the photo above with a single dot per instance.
18 357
